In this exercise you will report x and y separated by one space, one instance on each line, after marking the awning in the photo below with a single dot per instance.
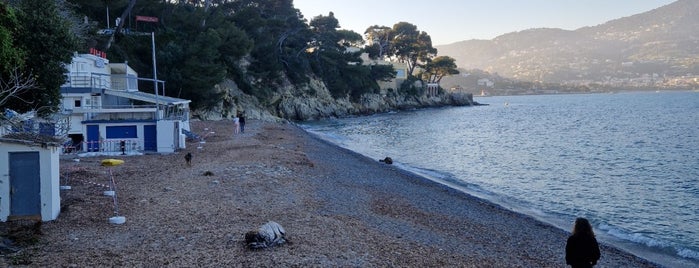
147 97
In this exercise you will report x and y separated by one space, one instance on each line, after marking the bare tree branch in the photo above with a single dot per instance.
14 86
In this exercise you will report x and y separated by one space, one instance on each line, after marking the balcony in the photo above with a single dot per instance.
84 82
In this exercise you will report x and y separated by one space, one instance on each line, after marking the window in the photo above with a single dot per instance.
77 103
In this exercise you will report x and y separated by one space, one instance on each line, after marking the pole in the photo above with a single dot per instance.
155 77
107 16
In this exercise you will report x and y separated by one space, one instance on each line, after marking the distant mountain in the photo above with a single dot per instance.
655 48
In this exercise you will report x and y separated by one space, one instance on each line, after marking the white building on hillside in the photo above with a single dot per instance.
109 114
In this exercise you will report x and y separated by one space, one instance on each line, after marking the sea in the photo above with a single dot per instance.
628 162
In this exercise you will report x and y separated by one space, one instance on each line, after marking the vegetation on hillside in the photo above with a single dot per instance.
36 39
262 45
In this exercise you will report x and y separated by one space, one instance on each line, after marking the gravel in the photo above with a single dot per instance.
339 209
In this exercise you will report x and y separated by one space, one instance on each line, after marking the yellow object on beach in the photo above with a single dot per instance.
112 162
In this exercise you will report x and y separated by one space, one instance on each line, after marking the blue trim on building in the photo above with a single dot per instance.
80 90
119 121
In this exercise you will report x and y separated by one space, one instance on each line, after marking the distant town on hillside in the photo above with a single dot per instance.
655 50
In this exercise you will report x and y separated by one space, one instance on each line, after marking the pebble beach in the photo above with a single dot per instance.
339 209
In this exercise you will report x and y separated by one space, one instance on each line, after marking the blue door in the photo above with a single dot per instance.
150 138
93 138
25 194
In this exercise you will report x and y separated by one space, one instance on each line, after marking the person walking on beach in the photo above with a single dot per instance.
582 249
241 118
236 125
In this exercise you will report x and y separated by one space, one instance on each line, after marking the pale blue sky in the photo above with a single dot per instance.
449 21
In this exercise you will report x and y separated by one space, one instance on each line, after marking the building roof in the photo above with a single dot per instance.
147 97
30 139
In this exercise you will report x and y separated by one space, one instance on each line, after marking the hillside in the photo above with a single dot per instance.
658 48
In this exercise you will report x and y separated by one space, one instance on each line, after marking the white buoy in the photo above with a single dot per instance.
117 220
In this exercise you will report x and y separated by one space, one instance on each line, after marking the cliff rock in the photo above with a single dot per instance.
313 101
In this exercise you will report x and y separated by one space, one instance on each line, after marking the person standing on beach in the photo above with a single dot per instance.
582 249
236 125
241 117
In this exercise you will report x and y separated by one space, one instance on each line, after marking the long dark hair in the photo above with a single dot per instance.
583 228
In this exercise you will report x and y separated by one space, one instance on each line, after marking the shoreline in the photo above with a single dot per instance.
424 145
528 219
339 208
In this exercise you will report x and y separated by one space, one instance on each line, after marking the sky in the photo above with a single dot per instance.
450 21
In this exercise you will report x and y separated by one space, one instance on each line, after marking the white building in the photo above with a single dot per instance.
109 114
29 178
485 82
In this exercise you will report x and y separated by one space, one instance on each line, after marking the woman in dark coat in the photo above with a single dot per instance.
582 249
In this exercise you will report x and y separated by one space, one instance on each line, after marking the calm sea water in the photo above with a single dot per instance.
629 162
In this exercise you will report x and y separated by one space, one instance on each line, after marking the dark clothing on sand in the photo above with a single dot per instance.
582 251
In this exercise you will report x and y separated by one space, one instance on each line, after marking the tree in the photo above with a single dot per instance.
410 45
12 82
47 35
379 38
438 68
280 37
337 63
13 85
203 70
349 38
11 55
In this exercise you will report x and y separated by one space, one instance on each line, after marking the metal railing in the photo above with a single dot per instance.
88 80
129 146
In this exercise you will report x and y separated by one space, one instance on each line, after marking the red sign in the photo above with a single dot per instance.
98 53
146 18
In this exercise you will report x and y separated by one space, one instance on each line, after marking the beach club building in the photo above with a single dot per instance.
107 112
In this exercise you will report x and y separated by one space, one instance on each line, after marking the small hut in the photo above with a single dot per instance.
29 177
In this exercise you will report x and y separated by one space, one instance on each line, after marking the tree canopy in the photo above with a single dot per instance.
261 45
403 42
43 43
439 67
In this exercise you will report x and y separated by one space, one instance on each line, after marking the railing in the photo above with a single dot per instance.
130 146
89 80
125 82
116 112
126 112
124 107
175 113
